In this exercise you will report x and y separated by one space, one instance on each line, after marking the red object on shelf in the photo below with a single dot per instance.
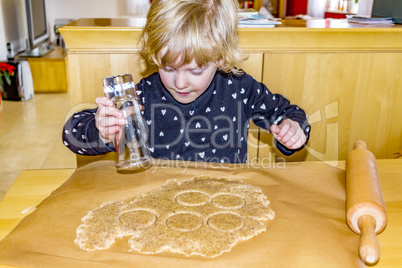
296 7
336 15
246 4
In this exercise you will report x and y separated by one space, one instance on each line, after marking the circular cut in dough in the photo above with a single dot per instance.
228 201
137 219
192 198
226 222
184 222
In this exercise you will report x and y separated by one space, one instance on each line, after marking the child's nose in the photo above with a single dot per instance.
181 81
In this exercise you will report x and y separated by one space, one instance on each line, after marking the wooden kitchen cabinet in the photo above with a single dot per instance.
345 76
49 73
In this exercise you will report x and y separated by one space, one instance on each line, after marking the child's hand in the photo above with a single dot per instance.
108 119
289 133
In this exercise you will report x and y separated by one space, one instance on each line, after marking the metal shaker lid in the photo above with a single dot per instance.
118 85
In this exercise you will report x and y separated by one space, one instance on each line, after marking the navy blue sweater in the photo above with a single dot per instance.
213 128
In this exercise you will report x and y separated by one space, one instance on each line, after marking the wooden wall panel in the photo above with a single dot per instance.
88 69
356 94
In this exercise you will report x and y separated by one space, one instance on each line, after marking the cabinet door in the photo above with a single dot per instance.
348 96
48 75
88 69
49 72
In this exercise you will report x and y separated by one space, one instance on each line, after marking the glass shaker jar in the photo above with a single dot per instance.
131 141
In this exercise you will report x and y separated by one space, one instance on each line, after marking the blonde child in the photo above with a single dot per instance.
198 106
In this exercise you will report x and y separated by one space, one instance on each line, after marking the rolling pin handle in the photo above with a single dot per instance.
369 248
359 145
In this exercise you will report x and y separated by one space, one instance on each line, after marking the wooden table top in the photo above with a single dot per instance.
32 186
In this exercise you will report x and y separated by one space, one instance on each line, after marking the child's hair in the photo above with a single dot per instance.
203 30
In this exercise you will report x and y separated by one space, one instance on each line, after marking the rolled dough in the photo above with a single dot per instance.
202 216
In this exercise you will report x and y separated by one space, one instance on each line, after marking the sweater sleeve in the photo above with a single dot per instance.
81 136
267 109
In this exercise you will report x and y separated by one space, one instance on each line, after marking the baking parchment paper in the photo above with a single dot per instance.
309 229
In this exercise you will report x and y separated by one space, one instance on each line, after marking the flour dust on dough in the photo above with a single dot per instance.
202 216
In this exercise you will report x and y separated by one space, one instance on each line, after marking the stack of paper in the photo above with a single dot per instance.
370 20
257 21
247 12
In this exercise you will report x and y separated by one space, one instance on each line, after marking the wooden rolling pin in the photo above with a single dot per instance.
365 208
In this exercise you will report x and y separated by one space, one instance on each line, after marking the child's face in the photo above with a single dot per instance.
187 82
